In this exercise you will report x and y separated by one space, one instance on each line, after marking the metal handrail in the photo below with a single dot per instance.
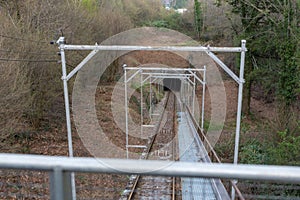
211 149
288 174
61 167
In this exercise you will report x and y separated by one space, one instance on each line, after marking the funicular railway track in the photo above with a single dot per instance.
145 187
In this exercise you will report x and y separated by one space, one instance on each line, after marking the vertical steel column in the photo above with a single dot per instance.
67 107
181 90
203 98
60 185
239 108
150 100
240 99
190 95
141 90
126 109
194 93
185 93
158 86
56 185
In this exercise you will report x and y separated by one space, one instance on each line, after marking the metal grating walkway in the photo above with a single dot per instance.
192 150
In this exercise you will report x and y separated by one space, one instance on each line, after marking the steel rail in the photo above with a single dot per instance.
174 147
131 194
164 69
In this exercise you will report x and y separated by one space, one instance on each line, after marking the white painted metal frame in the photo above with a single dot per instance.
157 74
284 174
94 48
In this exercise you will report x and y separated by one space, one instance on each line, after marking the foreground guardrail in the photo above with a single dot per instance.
60 169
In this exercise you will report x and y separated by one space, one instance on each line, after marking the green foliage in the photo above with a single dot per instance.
158 24
286 151
288 85
90 5
198 17
252 153
180 4
170 20
272 33
141 12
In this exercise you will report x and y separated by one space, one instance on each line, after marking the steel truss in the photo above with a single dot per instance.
95 48
188 77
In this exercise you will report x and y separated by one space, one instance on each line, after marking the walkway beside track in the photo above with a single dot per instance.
191 149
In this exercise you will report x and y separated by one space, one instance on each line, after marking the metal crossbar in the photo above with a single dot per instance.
288 174
152 48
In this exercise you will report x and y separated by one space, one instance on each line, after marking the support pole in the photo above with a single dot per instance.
150 100
239 108
126 109
185 93
67 107
190 95
142 113
60 185
194 93
56 185
203 98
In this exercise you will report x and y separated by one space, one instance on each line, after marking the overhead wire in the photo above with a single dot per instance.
21 39
25 60
27 52
32 53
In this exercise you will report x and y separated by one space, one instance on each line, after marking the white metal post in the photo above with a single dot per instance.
194 93
141 90
189 95
182 95
67 108
239 108
126 109
150 100
203 98
185 93
158 86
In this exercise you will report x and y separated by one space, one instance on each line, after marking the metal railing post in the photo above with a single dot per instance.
142 112
194 93
239 109
67 107
203 98
126 109
60 185
150 100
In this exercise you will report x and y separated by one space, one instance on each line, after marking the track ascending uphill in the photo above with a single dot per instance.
162 147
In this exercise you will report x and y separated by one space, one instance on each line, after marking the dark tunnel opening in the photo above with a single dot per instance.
173 84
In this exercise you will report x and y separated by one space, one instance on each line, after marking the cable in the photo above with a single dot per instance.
32 53
70 65
22 39
26 60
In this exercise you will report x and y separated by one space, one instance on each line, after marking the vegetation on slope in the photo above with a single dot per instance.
31 89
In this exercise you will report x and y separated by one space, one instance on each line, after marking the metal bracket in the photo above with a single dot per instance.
60 41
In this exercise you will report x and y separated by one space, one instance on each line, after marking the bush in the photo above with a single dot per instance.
29 89
286 151
252 153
